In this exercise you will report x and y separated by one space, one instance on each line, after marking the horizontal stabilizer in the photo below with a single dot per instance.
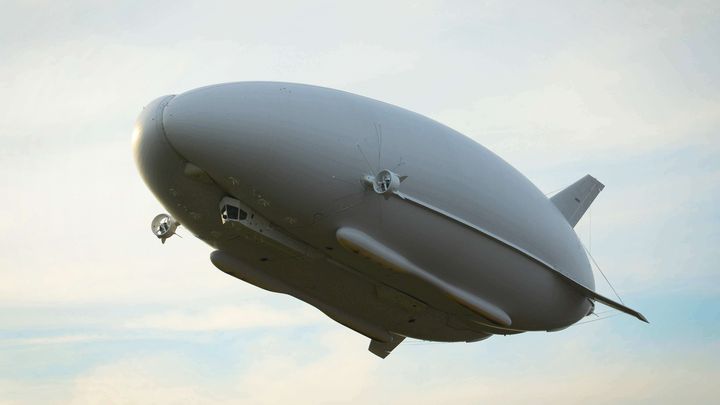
574 200
600 298
616 305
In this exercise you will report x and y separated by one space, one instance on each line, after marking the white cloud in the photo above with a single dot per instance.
342 372
576 109
228 318
53 340
157 379
339 370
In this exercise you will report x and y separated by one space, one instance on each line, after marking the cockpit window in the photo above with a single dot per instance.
233 213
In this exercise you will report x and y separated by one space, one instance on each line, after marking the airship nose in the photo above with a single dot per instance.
221 127
151 149
194 123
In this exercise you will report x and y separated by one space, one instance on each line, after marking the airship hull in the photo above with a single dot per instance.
465 247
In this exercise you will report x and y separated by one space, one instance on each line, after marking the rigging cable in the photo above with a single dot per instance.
603 274
598 319
549 194
588 249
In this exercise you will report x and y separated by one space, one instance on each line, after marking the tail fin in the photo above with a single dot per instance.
574 200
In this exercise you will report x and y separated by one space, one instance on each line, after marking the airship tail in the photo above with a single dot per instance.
591 294
574 200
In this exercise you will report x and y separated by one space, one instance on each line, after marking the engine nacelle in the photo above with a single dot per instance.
163 226
385 183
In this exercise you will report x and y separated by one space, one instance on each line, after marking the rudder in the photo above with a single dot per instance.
574 200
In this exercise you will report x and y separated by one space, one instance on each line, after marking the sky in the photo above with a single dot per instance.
93 309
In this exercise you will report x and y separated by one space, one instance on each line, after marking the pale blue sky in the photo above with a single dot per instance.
93 309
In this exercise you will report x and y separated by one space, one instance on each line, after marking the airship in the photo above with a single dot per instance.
388 222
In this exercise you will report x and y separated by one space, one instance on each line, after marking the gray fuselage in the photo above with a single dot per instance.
461 251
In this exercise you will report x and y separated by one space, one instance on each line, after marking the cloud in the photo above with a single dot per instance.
228 318
337 369
59 339
340 371
155 379
576 109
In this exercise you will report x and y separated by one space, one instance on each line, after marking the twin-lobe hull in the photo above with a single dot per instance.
482 236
